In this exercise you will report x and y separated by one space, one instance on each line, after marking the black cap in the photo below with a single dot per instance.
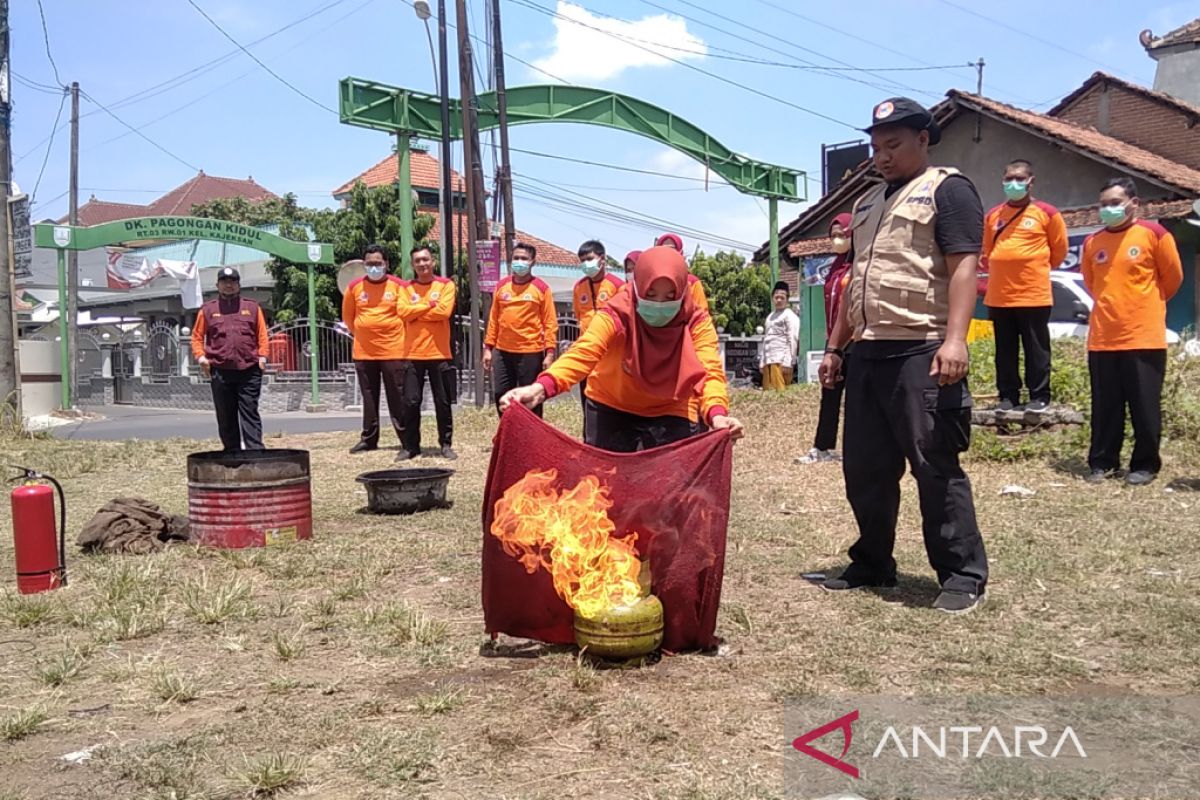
229 272
906 112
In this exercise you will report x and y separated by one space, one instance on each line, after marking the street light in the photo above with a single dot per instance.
422 9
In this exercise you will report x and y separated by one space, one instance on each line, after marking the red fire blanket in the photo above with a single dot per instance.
676 498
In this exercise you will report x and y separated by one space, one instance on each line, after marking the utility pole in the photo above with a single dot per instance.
447 197
476 209
70 369
502 108
978 65
10 387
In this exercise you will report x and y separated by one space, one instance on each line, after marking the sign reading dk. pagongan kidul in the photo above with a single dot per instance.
193 227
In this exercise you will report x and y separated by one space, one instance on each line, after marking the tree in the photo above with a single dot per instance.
739 294
371 216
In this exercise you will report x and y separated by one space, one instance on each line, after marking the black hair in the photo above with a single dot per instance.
1121 182
528 248
376 248
418 249
780 286
1022 162
592 247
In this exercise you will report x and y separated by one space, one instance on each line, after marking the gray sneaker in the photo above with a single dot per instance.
1099 476
1004 405
958 602
1037 406
1140 477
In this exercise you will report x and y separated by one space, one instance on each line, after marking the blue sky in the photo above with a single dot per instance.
235 119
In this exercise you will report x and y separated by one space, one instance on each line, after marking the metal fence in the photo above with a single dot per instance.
161 358
289 351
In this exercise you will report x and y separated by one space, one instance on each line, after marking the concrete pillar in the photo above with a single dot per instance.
137 362
106 352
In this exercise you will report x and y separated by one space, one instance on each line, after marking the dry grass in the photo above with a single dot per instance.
350 666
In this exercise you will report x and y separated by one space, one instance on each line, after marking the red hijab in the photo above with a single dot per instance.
632 255
661 361
670 237
833 283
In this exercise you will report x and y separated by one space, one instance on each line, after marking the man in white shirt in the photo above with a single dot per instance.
780 339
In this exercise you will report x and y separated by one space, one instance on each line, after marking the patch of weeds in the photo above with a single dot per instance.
27 610
282 685
172 770
988 446
233 644
288 646
22 722
506 740
132 603
584 676
282 607
209 602
133 621
396 757
61 668
245 558
737 614
271 774
439 702
171 686
403 624
351 589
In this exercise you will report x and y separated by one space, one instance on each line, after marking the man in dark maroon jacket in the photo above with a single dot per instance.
229 341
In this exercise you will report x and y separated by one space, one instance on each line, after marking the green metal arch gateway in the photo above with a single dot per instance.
156 229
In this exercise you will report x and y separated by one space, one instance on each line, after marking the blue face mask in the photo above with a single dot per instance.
521 267
376 271
1016 190
591 267
1112 215
657 313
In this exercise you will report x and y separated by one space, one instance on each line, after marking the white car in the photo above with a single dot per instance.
1072 307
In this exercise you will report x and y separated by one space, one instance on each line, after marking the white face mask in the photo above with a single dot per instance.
591 267
521 267
376 271
841 244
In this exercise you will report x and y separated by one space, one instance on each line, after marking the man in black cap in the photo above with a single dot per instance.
229 341
917 239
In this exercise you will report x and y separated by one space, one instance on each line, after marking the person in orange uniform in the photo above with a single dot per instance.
592 292
1131 268
229 341
522 330
1023 239
370 312
648 353
427 304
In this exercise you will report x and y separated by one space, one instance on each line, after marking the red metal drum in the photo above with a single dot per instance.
249 498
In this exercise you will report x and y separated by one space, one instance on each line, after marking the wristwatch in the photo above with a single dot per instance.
837 351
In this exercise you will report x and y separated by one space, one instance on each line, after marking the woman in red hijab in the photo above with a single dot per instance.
631 261
651 361
670 240
835 288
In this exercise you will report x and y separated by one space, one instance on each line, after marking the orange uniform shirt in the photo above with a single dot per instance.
590 296
1131 274
426 309
696 287
370 311
201 327
599 354
1018 260
523 319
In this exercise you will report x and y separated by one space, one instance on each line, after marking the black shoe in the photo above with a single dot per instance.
405 455
848 580
958 602
1140 477
1037 406
1005 405
363 447
1099 476
448 453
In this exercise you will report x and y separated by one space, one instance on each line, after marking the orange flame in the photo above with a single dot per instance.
568 533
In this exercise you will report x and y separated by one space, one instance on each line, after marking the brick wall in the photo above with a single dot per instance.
1140 121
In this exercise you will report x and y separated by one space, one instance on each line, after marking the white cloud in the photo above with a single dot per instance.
584 54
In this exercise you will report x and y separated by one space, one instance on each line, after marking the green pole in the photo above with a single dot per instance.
774 211
406 207
312 331
64 353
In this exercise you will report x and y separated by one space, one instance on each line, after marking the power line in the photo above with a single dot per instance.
256 60
34 85
718 184
46 39
603 165
158 146
694 68
46 159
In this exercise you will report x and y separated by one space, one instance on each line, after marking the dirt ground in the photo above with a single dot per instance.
352 665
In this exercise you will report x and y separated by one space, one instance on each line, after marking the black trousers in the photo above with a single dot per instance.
510 370
896 412
235 395
389 372
1121 378
621 432
1017 328
831 411
414 391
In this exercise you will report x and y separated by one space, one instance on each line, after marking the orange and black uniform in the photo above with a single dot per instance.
621 417
1021 244
522 329
232 334
370 311
426 309
589 296
1131 274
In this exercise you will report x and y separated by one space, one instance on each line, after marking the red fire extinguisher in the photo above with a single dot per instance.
40 566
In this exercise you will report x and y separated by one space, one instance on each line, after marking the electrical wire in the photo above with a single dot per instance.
694 68
256 60
46 39
603 165
46 158
143 136
34 85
